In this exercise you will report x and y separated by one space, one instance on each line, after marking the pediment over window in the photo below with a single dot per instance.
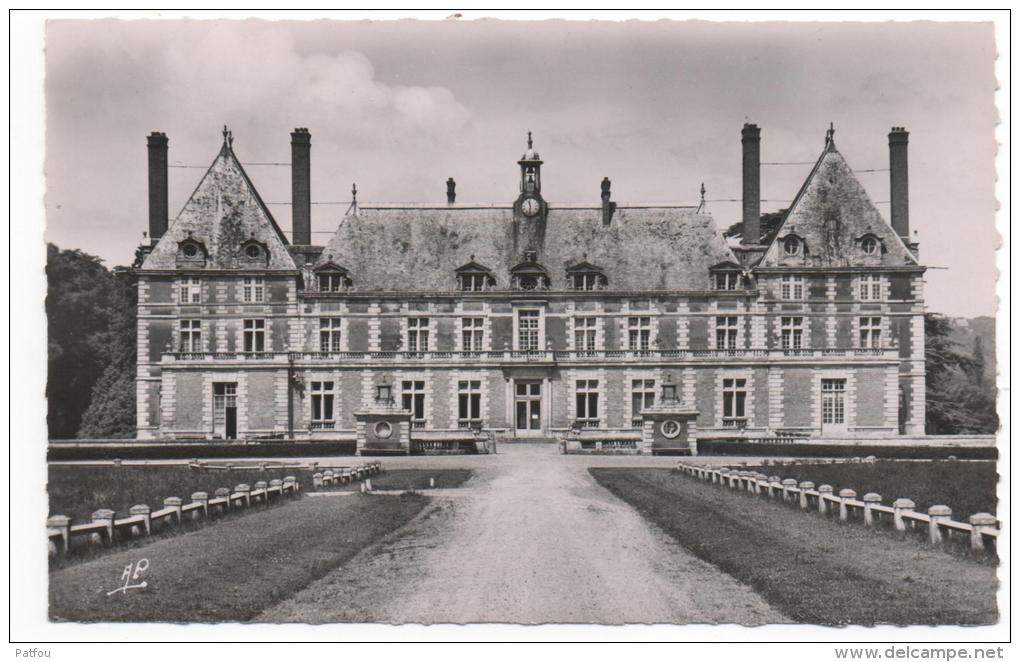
254 253
191 253
529 274
331 277
726 276
474 277
586 276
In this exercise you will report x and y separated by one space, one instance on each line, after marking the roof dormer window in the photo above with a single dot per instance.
191 253
474 277
870 245
254 253
530 275
586 277
332 278
792 246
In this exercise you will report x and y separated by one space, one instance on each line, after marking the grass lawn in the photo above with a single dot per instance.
235 570
812 569
966 487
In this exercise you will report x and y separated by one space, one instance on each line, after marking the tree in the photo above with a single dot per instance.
958 398
770 222
90 314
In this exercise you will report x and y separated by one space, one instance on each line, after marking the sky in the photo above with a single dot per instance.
398 106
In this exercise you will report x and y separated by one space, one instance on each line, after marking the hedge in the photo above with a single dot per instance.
719 447
143 451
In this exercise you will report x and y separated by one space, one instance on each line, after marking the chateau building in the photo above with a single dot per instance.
529 317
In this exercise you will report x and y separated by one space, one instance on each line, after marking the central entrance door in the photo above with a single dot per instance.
528 408
225 410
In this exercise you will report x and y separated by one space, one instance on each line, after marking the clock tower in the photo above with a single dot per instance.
530 204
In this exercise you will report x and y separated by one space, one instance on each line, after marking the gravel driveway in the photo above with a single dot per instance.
531 538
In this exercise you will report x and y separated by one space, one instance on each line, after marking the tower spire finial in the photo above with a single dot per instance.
829 134
529 139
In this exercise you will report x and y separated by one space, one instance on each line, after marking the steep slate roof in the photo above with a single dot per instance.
831 213
223 213
418 248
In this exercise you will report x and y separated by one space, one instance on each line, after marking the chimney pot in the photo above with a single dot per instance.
899 193
159 191
301 186
750 139
607 207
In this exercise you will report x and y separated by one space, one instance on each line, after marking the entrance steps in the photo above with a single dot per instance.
527 440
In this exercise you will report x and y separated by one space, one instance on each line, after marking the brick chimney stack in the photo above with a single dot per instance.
451 191
750 139
899 194
608 207
159 191
301 186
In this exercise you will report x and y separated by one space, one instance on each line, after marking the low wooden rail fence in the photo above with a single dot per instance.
107 528
982 527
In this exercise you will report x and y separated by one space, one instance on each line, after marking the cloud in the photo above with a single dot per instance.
255 72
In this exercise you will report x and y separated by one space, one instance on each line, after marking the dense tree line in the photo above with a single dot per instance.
91 386
91 364
960 393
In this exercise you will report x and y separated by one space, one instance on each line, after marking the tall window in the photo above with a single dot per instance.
469 403
322 405
792 332
727 280
871 288
734 402
329 334
584 335
833 401
791 288
253 289
726 332
639 333
412 398
527 330
254 335
190 290
870 332
191 336
472 333
642 396
588 402
418 334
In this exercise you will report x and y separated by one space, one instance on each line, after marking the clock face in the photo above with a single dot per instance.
530 206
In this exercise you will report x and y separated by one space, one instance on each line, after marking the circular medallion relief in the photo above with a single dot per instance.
670 428
383 430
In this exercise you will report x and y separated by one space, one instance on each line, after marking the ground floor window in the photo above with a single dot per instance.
588 402
833 401
469 403
642 396
322 406
412 398
734 403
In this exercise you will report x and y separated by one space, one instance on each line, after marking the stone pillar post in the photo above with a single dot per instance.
202 498
262 485
844 497
788 485
244 490
805 485
61 523
937 514
175 504
224 493
823 492
870 499
901 506
105 517
978 521
146 526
